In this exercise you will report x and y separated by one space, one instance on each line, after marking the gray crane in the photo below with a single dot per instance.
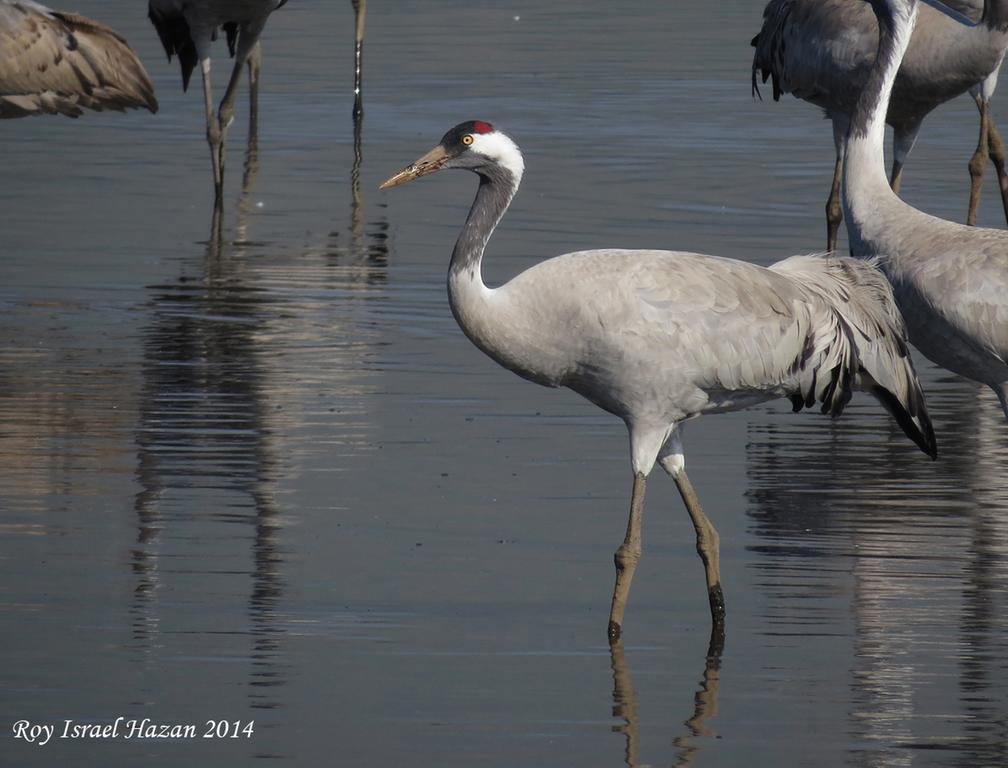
187 28
821 52
63 63
660 337
950 280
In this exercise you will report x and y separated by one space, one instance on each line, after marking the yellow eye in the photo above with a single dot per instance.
467 139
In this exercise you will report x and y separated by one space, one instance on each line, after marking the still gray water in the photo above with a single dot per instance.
268 481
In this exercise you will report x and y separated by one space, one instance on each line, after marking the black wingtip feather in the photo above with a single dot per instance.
925 440
173 32
231 31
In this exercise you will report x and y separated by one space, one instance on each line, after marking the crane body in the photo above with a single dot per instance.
661 337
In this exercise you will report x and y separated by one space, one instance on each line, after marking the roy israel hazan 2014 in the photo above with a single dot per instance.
121 728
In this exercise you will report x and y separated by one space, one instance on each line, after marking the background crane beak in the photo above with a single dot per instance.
432 161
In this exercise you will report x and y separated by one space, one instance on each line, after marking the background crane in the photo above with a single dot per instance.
950 280
822 50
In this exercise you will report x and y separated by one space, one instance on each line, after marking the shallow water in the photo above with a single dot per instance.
269 480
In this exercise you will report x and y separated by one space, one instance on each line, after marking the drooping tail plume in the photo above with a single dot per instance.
863 300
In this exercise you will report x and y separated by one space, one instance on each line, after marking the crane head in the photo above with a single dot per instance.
474 145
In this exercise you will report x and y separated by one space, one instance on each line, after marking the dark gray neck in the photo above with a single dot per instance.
865 185
497 187
873 102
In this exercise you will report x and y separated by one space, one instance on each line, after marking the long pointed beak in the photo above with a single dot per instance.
432 161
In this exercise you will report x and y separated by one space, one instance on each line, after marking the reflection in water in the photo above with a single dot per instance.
204 428
368 241
239 334
705 701
626 706
625 703
250 171
65 400
926 546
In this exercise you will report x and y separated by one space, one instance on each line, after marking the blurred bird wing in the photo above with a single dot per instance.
56 62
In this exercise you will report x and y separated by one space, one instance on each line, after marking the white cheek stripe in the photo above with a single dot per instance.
500 148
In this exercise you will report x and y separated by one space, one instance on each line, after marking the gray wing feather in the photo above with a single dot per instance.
761 332
862 296
713 331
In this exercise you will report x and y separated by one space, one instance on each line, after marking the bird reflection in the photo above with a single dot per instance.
927 547
983 681
626 706
210 415
205 433
625 703
704 701
249 173
366 244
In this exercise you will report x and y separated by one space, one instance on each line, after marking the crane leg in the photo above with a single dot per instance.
978 162
896 177
248 40
708 547
254 67
904 138
213 131
834 213
627 556
997 154
359 6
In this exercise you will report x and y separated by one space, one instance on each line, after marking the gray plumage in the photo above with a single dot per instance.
950 280
822 50
661 337
63 63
